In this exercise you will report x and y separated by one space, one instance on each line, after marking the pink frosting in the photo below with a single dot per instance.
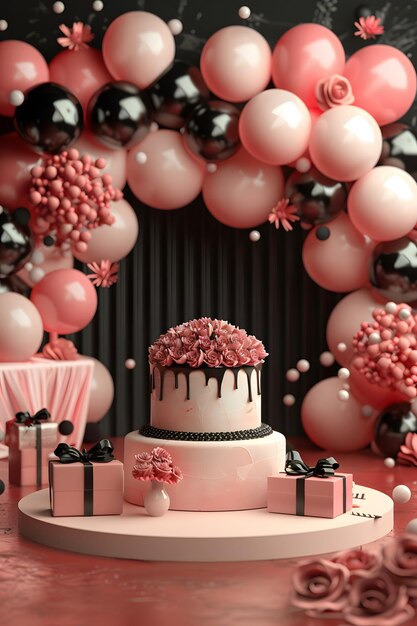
209 342
60 350
333 91
156 465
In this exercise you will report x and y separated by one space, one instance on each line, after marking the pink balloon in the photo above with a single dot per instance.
54 259
138 47
375 396
332 424
275 127
304 55
242 192
22 67
66 300
83 72
21 330
383 203
116 160
345 321
112 242
236 63
16 161
345 143
101 391
383 80
341 262
169 178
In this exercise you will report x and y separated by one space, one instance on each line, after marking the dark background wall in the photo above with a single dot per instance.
185 263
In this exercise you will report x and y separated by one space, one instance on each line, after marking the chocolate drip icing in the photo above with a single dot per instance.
209 372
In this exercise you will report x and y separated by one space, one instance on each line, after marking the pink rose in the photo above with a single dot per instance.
160 355
189 339
244 356
333 91
195 358
400 560
205 342
143 468
320 585
179 354
60 350
202 327
213 358
160 454
375 600
162 470
222 342
408 451
230 358
358 561
176 476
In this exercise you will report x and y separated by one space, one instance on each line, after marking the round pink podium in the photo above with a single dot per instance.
205 536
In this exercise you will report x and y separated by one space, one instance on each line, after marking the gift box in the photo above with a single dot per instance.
315 492
86 483
24 469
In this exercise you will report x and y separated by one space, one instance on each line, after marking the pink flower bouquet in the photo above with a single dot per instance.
156 465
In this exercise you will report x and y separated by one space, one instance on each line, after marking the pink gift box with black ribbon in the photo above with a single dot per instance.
311 491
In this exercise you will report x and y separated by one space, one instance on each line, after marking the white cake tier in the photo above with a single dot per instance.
206 400
218 475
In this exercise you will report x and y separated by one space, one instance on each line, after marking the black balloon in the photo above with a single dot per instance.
65 427
393 270
50 118
118 114
212 130
176 93
399 148
16 244
318 199
391 427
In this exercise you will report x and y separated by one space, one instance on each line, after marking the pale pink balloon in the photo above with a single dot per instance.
373 395
383 203
116 160
345 143
16 162
242 192
345 321
170 177
112 242
138 47
21 330
341 262
101 391
236 63
83 72
275 127
304 55
66 300
54 259
22 67
333 424
383 80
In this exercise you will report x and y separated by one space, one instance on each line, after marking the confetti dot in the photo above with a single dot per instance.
175 26
389 462
29 267
401 494
303 365
66 427
292 375
153 127
130 364
244 13
58 7
3 25
288 399
343 395
211 168
326 359
98 5
16 97
37 257
48 241
36 274
412 526
390 307
367 410
254 235
343 373
2 487
342 347
141 158
303 165
404 314
322 233
374 338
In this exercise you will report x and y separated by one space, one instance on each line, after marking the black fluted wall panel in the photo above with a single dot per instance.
185 263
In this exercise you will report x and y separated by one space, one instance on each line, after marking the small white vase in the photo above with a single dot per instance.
156 499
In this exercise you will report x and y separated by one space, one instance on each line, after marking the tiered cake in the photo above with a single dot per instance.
206 412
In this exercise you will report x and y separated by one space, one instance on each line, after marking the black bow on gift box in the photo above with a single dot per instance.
30 420
295 466
102 452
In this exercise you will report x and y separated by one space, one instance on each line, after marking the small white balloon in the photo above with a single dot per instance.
303 165
4 25
292 375
16 97
390 307
28 266
343 395
37 257
303 365
404 314
130 364
288 399
36 274
342 347
211 168
141 158
326 359
412 526
374 338
153 127
343 373
367 410
389 462
244 13
254 235
58 7
401 494
175 26
98 5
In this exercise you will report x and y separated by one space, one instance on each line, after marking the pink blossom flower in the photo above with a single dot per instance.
161 470
189 339
320 585
369 27
195 358
408 451
358 561
76 37
333 91
143 468
104 273
213 358
160 355
176 475
230 358
400 561
244 356
161 455
179 354
60 350
283 213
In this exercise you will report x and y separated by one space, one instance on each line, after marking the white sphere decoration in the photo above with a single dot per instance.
367 410
288 399
254 235
244 13
175 26
342 347
130 364
303 165
343 373
374 338
36 274
58 7
28 266
343 395
37 257
211 168
404 314
16 97
390 307
3 25
401 494
412 526
153 127
389 462
292 375
326 359
303 365
141 158
98 5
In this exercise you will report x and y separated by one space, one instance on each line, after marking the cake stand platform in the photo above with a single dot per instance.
201 536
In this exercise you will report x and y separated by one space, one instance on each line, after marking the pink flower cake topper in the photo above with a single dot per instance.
207 342
283 213
369 27
156 465
79 36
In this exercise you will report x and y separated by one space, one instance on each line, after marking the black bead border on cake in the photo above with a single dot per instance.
159 433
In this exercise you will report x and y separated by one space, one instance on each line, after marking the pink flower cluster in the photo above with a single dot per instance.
333 91
156 465
60 350
408 451
386 350
70 197
208 342
365 589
